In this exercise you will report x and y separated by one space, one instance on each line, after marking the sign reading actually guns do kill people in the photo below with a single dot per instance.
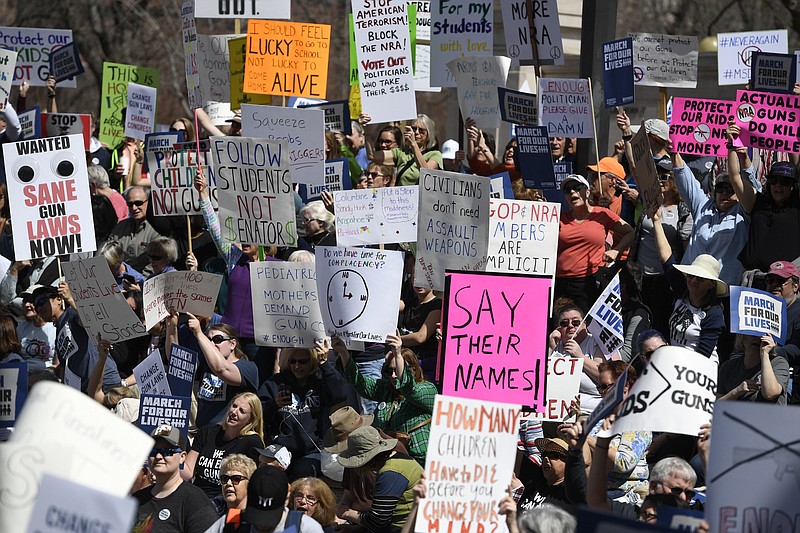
181 368
523 237
286 309
458 28
156 410
769 121
494 342
773 73
469 462
698 126
256 197
565 107
33 46
453 228
376 216
48 193
664 60
186 291
359 291
755 312
287 58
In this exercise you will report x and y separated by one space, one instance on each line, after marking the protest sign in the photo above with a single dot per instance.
562 169
8 59
384 54
608 403
141 116
518 107
286 309
238 51
423 19
360 288
13 391
186 291
494 341
590 521
150 375
156 410
62 505
48 193
376 216
172 166
422 70
565 107
66 433
774 73
181 368
453 228
213 66
65 62
753 468
664 60
516 25
477 79
535 157
681 519
302 129
674 394
698 126
71 379
645 173
501 186
295 65
337 115
606 319
458 28
256 197
189 31
618 72
30 122
469 462
114 98
33 46
734 53
755 312
563 384
769 120
60 124
523 237
251 9
99 301
337 178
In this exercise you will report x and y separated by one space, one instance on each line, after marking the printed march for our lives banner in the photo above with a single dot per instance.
376 216
664 60
458 28
773 73
618 72
698 126
13 391
494 344
337 178
337 115
606 315
518 107
453 225
734 52
523 237
65 62
565 107
769 120
33 47
501 186
181 369
535 158
156 410
755 312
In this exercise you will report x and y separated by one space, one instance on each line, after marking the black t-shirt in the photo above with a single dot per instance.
186 510
537 492
774 233
413 319
212 449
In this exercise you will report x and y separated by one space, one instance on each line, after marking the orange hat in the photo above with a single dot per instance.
610 165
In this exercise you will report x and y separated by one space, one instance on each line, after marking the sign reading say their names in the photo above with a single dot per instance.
755 312
33 46
48 193
773 73
518 107
150 375
140 118
186 291
645 173
769 120
376 216
359 291
156 410
698 126
458 28
565 107
664 60
494 342
523 237
250 9
13 391
181 368
734 51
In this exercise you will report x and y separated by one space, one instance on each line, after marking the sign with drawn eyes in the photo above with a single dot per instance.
361 291
48 194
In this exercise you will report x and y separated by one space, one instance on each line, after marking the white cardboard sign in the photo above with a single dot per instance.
664 60
563 383
141 116
241 9
734 49
523 237
376 216
478 79
459 28
186 291
151 377
565 107
516 25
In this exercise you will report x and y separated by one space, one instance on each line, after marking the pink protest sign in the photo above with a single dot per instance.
698 126
769 120
495 337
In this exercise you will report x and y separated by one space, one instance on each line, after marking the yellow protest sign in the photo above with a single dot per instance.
355 100
114 98
237 48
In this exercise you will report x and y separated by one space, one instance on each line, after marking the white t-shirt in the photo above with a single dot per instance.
38 343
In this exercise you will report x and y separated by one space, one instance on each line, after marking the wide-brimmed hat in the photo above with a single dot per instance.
574 177
266 496
610 165
545 445
343 422
363 445
707 267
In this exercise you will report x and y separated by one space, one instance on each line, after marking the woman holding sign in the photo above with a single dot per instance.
419 152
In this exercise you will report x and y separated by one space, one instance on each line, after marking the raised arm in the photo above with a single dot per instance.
744 191
221 367
624 125
664 249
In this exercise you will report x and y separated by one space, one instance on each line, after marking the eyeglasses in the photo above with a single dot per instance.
165 452
603 388
677 491
566 322
235 479
310 500
308 220
301 362
387 141
419 130
646 516
372 175
137 203
219 339
786 182
154 257
777 281
41 301
580 187
723 189
663 178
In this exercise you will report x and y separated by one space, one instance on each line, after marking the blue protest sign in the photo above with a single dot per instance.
337 115
518 107
534 156
13 391
606 406
773 73
596 522
65 62
337 178
618 72
755 312
31 123
562 169
171 410
501 186
680 519
181 370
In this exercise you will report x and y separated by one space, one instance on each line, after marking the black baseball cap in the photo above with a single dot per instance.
266 496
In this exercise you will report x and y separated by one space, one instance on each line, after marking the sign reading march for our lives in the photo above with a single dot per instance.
100 304
458 28
768 120
452 228
30 122
478 79
13 391
359 291
337 178
618 72
140 118
156 410
302 129
734 53
645 173
675 394
185 291
565 107
376 216
48 194
501 186
181 368
65 62
535 158
254 187
518 107
664 60
773 73
150 375
523 237
606 314
337 115
516 25
116 77
469 462
755 312
494 343
286 310
698 126
33 47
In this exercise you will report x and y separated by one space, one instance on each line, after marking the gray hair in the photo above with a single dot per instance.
301 256
356 127
98 176
165 246
317 211
547 519
113 253
430 126
673 466
128 191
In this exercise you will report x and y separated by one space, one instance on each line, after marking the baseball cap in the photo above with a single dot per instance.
449 149
170 434
277 452
574 177
237 117
782 169
783 269
657 127
609 164
266 496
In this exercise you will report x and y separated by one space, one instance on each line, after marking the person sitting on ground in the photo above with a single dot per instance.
313 497
234 476
755 374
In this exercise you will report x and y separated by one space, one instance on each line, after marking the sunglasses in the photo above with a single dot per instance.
786 182
177 129
777 280
137 203
301 362
165 452
575 322
604 387
154 257
235 479
677 491
580 187
418 130
372 175
723 189
219 339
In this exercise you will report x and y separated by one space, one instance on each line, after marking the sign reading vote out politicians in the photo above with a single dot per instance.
33 46
618 72
535 158
150 375
13 391
755 312
734 53
376 216
452 229
156 410
565 107
48 193
773 73
478 79
286 308
186 291
458 28
606 314
664 60
516 24
523 237
65 62
495 341
181 368
518 107
768 120
698 126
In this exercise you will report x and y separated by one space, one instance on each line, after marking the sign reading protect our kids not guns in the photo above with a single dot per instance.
698 126
287 58
33 46
172 167
768 120
115 97
458 28
48 193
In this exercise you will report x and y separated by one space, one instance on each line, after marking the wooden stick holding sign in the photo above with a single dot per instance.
594 130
